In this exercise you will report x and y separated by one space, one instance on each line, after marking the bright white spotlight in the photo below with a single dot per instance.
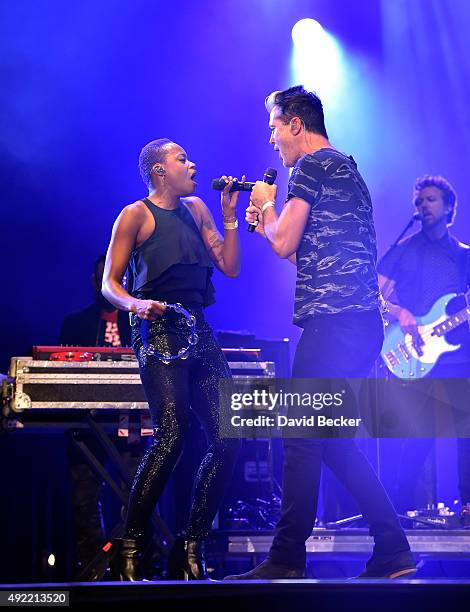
51 560
317 59
304 30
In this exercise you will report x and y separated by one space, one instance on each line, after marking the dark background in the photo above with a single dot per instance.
85 85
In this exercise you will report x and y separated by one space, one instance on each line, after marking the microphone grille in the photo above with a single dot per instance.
270 173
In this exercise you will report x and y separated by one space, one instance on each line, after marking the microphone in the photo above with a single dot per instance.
269 178
219 185
416 216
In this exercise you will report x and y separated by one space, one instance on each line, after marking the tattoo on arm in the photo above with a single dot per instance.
214 240
216 245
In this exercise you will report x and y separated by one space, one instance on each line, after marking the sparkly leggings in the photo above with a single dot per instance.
172 390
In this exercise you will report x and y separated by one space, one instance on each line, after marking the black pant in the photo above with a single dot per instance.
172 389
340 345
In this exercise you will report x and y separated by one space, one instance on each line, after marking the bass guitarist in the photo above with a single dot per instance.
413 276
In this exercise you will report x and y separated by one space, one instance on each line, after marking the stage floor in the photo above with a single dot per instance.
286 595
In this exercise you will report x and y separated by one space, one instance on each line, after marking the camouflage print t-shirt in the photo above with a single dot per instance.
336 258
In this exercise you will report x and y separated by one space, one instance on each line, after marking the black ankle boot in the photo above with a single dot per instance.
269 570
126 560
394 565
186 561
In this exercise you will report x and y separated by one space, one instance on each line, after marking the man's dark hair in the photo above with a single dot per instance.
154 152
448 192
298 102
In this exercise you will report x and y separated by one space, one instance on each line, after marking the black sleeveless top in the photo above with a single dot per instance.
173 263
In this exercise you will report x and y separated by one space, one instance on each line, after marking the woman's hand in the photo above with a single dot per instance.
149 310
229 200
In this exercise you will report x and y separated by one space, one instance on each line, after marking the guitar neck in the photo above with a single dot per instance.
452 322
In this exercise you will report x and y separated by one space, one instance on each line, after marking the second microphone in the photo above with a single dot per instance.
269 177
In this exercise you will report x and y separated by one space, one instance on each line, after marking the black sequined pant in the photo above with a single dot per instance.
172 390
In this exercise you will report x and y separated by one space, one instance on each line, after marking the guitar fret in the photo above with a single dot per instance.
406 359
452 322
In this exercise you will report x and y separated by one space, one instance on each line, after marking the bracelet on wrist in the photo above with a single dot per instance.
231 225
267 205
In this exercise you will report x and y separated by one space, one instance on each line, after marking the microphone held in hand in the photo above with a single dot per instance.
269 177
219 185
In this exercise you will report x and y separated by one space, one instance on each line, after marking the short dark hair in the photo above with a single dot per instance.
153 153
448 192
298 102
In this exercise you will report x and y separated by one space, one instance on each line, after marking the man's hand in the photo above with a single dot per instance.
407 321
149 310
261 193
254 215
409 325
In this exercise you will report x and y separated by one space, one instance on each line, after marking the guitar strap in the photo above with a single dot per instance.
419 285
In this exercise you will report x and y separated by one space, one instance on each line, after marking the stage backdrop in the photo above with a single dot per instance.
86 84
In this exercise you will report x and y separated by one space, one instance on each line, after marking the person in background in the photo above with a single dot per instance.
413 275
100 323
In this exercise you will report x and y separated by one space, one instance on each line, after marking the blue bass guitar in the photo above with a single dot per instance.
409 358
